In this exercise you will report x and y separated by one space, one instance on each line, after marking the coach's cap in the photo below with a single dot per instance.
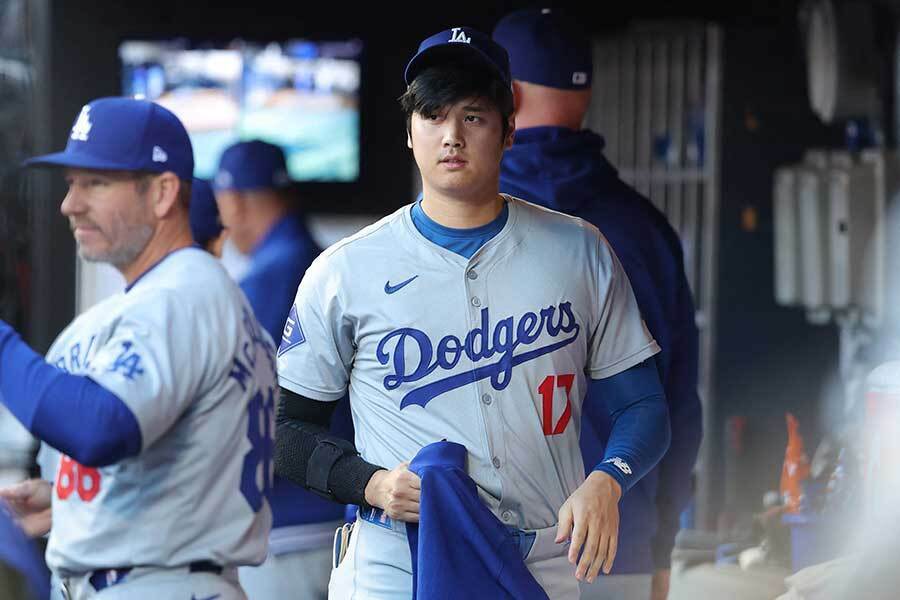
462 43
124 134
204 214
546 48
253 165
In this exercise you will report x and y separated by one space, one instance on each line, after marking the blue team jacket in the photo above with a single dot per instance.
565 170
459 549
277 265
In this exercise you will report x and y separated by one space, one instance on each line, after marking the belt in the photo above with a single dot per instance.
524 539
104 578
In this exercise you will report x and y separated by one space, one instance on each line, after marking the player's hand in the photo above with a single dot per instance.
590 518
660 584
396 492
30 500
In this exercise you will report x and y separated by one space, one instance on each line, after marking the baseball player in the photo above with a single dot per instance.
159 399
556 164
476 318
253 195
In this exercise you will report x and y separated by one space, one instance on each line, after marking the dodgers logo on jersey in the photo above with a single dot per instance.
292 336
478 345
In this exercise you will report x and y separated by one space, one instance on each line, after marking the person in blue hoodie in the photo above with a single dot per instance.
251 186
555 163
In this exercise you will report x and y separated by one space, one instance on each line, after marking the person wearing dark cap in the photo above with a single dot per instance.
206 227
557 164
252 189
159 400
480 319
208 232
253 194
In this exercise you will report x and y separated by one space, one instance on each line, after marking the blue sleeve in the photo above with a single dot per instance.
640 433
72 413
674 489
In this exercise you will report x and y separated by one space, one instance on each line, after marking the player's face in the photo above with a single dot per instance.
231 206
458 149
110 218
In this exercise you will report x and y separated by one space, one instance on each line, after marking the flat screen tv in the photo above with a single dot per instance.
302 95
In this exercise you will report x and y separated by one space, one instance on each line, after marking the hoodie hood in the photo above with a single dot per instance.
557 168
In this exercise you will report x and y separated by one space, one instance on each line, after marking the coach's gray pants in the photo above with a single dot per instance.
154 584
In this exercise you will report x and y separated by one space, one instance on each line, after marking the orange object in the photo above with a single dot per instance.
796 467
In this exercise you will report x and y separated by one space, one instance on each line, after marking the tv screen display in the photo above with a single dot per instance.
302 95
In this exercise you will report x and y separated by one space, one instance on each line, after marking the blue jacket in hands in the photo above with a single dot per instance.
459 549
566 171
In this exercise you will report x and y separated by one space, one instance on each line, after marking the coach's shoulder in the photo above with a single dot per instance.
185 281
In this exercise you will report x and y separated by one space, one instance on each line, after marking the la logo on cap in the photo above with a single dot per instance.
82 126
458 35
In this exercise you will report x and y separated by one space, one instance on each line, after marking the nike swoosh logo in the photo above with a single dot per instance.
390 289
213 597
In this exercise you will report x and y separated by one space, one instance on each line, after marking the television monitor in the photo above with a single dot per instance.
302 95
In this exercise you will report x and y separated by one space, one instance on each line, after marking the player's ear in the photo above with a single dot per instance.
510 133
517 95
165 193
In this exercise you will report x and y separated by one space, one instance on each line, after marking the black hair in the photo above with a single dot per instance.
441 85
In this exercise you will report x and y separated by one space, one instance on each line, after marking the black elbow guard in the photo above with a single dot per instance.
306 454
328 450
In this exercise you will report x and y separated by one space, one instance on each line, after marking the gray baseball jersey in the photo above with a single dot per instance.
493 352
183 351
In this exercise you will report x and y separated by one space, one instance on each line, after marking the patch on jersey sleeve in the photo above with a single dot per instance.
292 336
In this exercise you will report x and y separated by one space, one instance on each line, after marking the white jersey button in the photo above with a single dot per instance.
487 399
496 462
506 516
472 274
476 301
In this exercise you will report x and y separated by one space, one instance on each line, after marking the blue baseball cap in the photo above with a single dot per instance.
253 165
124 134
462 43
546 48
204 213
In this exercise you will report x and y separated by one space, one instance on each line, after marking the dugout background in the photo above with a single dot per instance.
66 52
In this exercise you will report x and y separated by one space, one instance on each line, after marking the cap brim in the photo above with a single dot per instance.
77 161
435 54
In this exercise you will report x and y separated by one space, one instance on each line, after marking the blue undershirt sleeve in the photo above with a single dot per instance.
640 432
71 413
